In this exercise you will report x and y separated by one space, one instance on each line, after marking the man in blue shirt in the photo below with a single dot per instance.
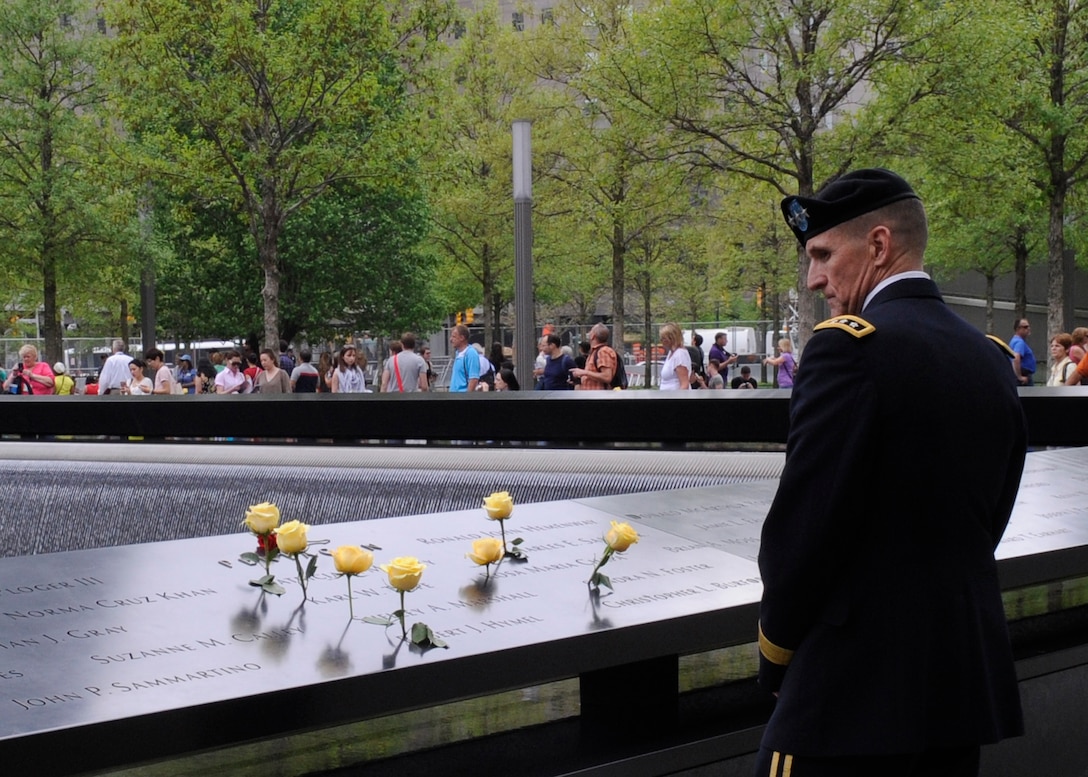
1023 363
557 369
466 364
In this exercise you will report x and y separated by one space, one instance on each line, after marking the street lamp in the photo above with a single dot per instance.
524 305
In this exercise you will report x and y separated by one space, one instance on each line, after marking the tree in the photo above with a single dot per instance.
60 221
262 105
471 165
601 155
1047 110
767 90
352 261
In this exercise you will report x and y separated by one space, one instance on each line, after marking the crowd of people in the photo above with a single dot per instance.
408 368
229 372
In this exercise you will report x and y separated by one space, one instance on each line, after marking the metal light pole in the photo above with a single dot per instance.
524 304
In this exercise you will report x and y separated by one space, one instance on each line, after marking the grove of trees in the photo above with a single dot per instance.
301 168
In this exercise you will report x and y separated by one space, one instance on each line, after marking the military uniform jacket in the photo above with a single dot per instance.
881 623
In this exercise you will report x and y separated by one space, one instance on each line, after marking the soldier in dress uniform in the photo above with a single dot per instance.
882 631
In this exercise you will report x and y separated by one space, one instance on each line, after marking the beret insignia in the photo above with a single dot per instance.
1005 349
844 199
856 326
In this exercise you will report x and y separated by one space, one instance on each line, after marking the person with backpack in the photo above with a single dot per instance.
698 378
603 370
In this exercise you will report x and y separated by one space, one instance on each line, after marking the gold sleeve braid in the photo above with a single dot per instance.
772 652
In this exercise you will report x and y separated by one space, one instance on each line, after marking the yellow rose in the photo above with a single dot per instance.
262 518
620 537
291 537
404 572
499 505
486 551
352 560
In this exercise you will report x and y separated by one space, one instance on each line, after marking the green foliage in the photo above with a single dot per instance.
352 260
470 168
261 108
65 221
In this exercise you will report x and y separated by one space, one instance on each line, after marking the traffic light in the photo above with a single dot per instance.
460 318
470 315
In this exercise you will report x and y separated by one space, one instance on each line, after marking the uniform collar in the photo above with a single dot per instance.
889 281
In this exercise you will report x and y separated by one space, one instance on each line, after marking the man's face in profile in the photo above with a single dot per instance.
841 266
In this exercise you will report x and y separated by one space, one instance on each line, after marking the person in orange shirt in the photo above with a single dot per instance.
601 364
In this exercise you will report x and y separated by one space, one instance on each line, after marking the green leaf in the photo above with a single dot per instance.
600 579
378 620
518 541
273 587
269 584
311 568
250 558
424 637
516 553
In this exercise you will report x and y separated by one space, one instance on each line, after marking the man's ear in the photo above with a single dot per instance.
880 243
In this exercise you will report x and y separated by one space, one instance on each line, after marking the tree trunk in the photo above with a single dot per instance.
54 350
266 236
125 334
991 280
618 288
1020 278
1055 277
488 295
648 339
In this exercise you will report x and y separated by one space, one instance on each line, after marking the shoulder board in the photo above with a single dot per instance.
1005 349
855 325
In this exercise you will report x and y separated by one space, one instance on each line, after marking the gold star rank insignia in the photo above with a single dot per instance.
855 325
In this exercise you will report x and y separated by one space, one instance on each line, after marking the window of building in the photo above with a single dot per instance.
518 20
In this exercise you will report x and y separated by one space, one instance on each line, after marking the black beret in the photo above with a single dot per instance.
845 198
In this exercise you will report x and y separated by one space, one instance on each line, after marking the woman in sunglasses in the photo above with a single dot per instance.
232 380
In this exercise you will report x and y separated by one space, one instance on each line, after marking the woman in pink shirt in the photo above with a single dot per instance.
36 375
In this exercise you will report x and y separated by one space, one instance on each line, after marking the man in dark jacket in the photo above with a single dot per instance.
882 631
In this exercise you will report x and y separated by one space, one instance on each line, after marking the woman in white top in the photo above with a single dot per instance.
676 371
137 384
348 378
1060 363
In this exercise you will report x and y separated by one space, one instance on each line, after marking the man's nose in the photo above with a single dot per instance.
816 279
